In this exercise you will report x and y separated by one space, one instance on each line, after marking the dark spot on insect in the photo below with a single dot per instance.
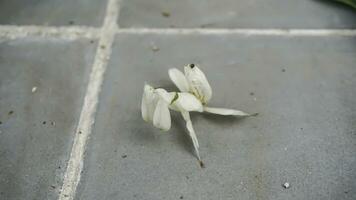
202 165
11 112
251 93
283 70
166 14
175 98
124 156
181 197
71 22
44 122
103 46
192 66
53 187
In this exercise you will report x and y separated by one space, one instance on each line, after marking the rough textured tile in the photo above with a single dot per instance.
52 12
37 128
236 14
303 88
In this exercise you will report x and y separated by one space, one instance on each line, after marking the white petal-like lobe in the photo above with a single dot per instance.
178 78
144 109
162 116
163 94
188 102
148 104
225 111
191 132
198 83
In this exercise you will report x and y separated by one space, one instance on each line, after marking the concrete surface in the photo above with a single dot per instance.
52 12
303 88
37 128
302 82
236 14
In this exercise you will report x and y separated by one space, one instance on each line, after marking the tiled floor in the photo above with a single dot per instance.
235 14
302 84
52 12
42 85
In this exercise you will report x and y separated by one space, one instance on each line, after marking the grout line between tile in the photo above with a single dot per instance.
74 169
247 32
77 32
65 32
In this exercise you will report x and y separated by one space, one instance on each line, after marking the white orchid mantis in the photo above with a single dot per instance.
195 93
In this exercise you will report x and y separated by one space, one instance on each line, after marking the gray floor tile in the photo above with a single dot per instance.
52 12
236 14
303 88
37 128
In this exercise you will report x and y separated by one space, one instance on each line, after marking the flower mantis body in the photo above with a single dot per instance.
195 93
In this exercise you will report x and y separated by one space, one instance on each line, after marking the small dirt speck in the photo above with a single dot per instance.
80 132
286 185
91 41
53 123
44 122
166 14
124 156
71 22
283 70
0 122
252 93
34 89
102 46
53 187
155 48
181 197
254 114
11 112
187 177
